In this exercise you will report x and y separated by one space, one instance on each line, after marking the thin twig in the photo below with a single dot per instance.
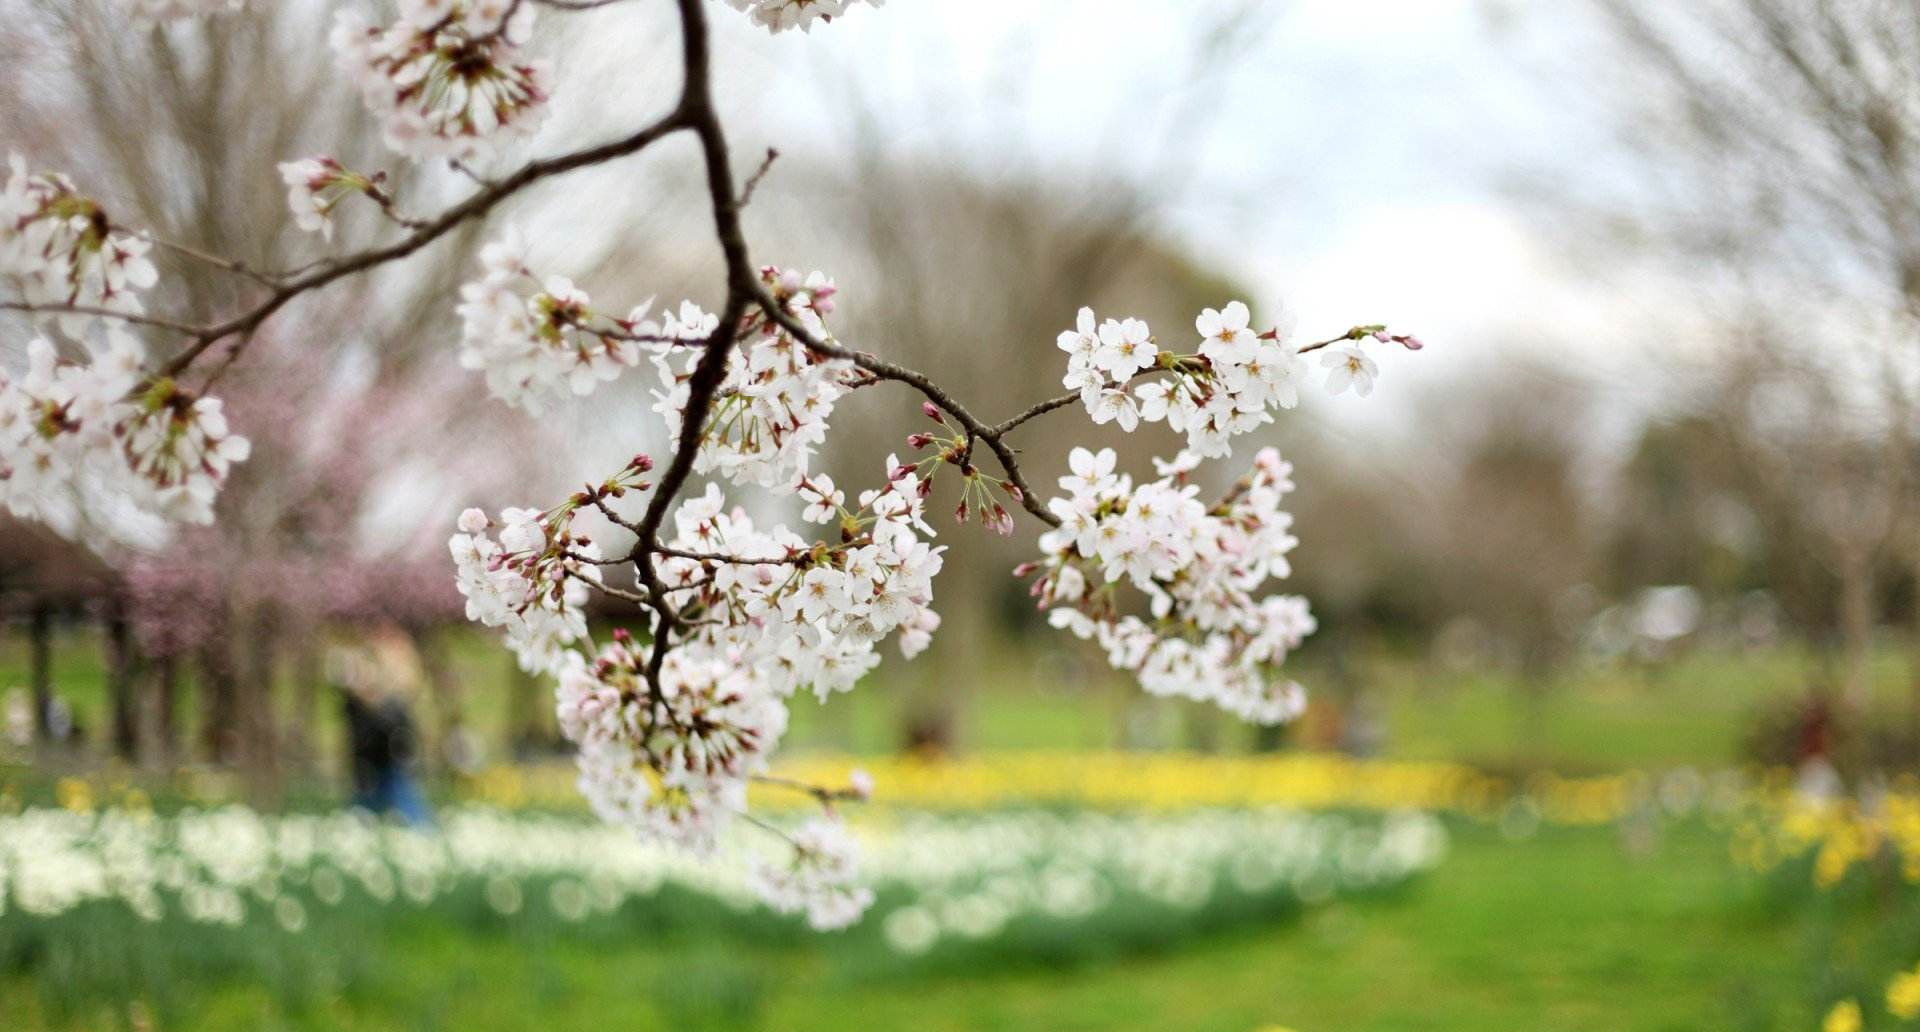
238 268
821 792
753 181
473 207
931 391
735 560
134 318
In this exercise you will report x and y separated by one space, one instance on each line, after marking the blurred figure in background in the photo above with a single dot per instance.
375 682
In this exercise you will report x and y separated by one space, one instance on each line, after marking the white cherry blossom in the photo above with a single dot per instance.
1348 366
1197 568
818 878
60 247
449 79
780 15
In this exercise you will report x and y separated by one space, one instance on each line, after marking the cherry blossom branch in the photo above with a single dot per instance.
697 112
133 318
287 287
1009 425
331 270
933 392
703 703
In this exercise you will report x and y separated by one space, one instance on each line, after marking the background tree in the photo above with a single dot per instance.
1777 143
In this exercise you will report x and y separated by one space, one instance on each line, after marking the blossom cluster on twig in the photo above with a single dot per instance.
673 718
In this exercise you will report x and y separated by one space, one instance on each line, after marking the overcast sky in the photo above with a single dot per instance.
1355 159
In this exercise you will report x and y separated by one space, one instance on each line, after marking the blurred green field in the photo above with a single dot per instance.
1562 931
1567 929
1691 710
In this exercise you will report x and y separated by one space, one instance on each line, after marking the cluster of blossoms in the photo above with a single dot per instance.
781 15
317 185
77 435
1225 388
773 406
670 758
59 247
670 731
669 738
1207 637
820 879
72 431
449 77
532 580
810 615
539 340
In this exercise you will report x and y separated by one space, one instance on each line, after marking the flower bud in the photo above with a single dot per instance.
932 412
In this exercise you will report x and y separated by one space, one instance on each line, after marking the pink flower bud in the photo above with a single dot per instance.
919 441
932 412
1025 569
960 513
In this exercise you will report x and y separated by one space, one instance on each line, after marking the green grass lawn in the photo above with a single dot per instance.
1561 932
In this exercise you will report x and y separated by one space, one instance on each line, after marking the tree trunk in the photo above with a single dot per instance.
165 745
1202 727
40 669
309 673
933 706
120 670
447 702
525 734
1856 627
254 706
1536 687
219 698
1913 644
